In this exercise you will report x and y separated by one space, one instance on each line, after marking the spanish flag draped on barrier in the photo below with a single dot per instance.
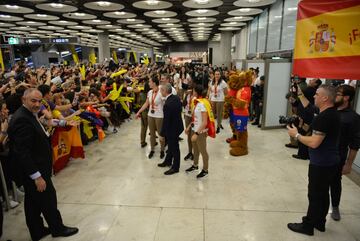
66 144
327 42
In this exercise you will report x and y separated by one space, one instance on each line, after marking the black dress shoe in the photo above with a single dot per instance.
299 157
255 123
143 145
171 171
151 154
162 154
301 228
164 164
66 232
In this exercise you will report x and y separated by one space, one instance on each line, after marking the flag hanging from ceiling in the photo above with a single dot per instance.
327 42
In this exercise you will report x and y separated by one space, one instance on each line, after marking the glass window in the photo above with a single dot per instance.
289 24
248 38
273 40
253 35
262 32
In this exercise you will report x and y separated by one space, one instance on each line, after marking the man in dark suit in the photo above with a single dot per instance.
171 129
31 156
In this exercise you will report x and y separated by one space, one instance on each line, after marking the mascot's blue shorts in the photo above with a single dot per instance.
239 122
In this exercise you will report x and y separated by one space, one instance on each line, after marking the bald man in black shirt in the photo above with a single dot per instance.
324 160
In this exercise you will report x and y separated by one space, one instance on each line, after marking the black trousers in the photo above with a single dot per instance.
173 154
335 187
45 203
320 179
303 151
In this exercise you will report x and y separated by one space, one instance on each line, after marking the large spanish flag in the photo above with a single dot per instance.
327 42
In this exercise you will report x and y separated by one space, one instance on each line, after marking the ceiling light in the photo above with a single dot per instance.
233 23
201 24
245 10
165 19
30 22
201 18
80 14
292 9
169 24
160 12
96 20
103 4
5 16
130 20
119 13
253 1
63 21
152 2
202 1
239 17
201 11
12 7
56 5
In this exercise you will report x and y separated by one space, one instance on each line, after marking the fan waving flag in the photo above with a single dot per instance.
327 42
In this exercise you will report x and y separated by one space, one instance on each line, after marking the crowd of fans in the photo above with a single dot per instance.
93 100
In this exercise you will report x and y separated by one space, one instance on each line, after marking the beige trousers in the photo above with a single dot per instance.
144 126
218 107
189 142
200 148
155 125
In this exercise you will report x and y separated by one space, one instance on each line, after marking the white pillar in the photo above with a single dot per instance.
225 48
243 43
104 48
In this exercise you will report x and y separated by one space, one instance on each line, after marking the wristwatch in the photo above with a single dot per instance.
297 136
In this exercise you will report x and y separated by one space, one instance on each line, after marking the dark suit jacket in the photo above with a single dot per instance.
30 148
172 123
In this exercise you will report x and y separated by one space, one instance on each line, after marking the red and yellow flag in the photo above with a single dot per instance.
327 42
66 143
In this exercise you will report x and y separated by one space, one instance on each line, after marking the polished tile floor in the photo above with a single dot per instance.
117 194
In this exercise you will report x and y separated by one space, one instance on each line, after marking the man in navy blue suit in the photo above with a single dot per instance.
171 129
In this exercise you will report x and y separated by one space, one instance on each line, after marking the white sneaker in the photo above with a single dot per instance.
13 204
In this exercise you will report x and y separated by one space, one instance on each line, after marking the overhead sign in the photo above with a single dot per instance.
327 42
13 40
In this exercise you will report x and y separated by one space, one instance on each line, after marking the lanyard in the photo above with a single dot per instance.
153 99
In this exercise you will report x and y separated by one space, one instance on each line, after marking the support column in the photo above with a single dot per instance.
243 43
104 48
225 48
152 55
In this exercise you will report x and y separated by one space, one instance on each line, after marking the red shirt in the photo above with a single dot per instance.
245 95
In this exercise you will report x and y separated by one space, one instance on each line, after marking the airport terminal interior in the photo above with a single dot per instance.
102 68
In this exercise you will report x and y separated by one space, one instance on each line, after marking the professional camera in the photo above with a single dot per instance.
289 120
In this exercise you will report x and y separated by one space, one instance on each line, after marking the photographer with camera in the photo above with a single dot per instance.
324 159
293 99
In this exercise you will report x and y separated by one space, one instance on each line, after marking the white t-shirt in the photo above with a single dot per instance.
198 116
217 92
157 106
